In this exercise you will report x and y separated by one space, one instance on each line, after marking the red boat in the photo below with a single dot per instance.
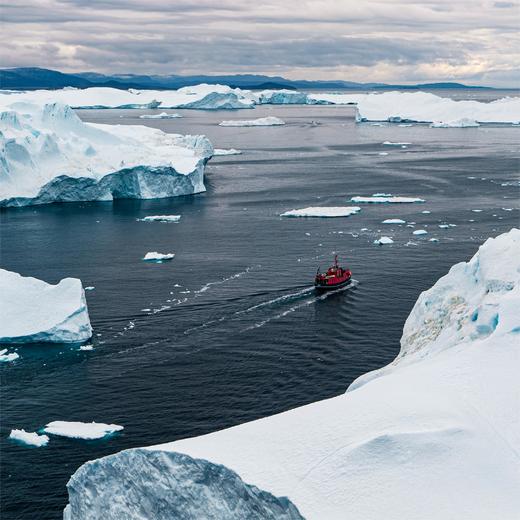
334 278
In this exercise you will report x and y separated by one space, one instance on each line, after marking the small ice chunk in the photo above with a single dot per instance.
382 153
433 240
420 232
262 121
384 200
477 210
81 430
89 288
29 438
383 240
86 347
381 195
154 256
222 151
426 212
162 115
324 212
6 357
160 218
394 221
444 226
390 143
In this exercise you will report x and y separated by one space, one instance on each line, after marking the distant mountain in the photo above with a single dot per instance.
36 78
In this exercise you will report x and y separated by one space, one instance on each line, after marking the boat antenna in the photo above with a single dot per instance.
336 260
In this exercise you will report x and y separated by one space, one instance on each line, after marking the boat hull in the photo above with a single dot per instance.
331 287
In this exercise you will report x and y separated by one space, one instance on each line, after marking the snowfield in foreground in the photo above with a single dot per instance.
47 154
32 310
433 435
324 211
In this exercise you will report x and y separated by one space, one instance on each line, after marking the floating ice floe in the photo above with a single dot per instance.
29 438
262 121
426 212
390 143
385 200
433 240
382 153
457 123
393 221
383 241
420 232
162 115
47 154
81 430
379 439
32 310
325 212
160 218
222 151
86 347
89 288
154 256
6 357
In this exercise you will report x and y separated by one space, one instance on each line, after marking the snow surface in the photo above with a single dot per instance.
325 212
81 430
434 435
384 200
32 310
154 256
162 115
7 357
393 221
160 218
262 121
48 154
29 438
223 151
383 240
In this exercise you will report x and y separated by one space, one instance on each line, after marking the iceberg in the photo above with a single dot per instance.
81 430
6 357
160 218
32 310
29 438
47 154
154 256
423 107
383 241
262 121
325 212
386 200
420 232
393 221
162 115
457 123
222 151
422 437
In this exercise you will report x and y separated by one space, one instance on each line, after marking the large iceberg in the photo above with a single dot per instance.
433 435
32 310
47 154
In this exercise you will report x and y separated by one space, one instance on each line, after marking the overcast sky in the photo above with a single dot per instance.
392 41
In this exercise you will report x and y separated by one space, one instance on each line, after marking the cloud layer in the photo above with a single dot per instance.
393 41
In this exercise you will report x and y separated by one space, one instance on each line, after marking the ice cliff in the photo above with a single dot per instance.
32 310
47 154
434 435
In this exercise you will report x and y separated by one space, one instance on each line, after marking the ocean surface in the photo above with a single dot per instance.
231 330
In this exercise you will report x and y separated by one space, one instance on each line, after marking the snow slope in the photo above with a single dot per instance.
32 310
434 435
47 154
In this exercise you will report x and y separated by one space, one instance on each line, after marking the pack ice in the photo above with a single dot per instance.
433 435
47 154
32 310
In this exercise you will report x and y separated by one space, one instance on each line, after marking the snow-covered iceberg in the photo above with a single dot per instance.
29 438
154 256
47 154
423 107
262 121
323 211
433 435
81 430
32 310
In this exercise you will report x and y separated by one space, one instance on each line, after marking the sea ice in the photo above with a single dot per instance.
262 121
81 430
154 256
383 240
326 212
86 347
222 151
383 200
390 143
29 438
7 357
32 310
160 218
162 115
420 232
394 221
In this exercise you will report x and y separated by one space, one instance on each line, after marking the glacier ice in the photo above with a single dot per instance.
32 310
393 221
383 241
29 438
385 200
323 211
224 151
47 154
6 357
138 484
433 435
154 256
420 232
456 123
162 115
160 218
81 430
262 121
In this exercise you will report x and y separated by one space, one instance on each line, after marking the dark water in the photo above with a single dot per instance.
250 338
